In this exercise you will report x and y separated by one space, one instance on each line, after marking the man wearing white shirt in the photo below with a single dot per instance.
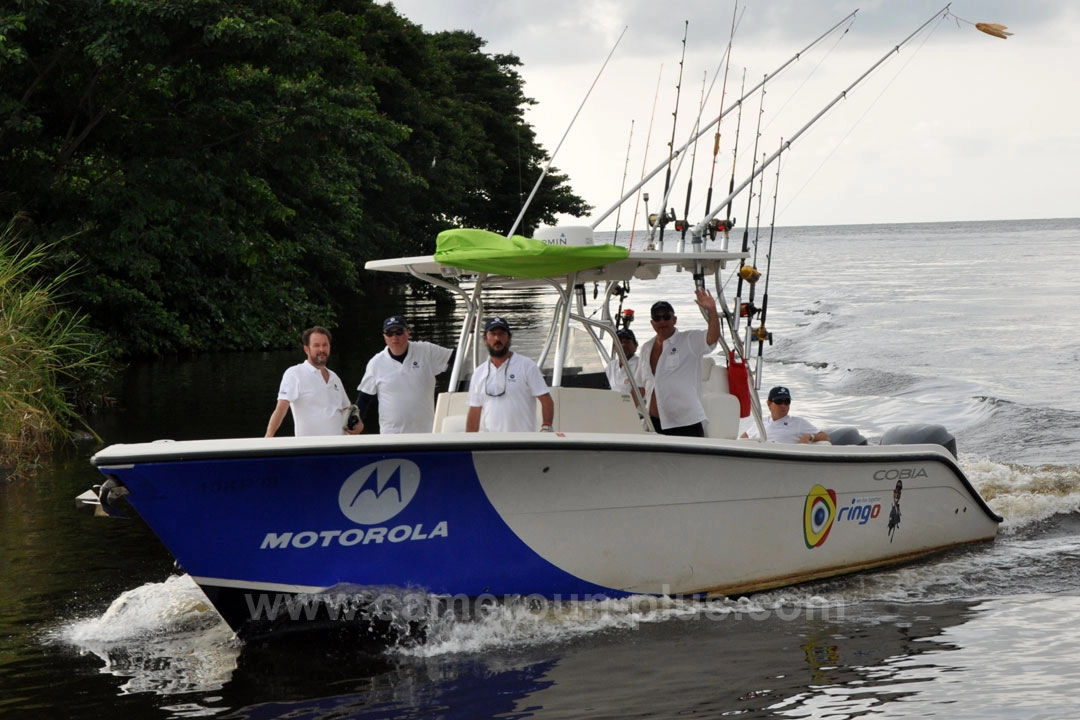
669 373
784 428
402 377
503 391
313 392
621 379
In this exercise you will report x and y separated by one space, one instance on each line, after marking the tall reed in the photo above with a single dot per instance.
47 351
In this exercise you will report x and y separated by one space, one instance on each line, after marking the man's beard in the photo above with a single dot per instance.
498 353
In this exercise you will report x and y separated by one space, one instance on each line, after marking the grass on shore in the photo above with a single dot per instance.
47 353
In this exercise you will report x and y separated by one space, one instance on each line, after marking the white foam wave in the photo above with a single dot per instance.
165 637
1024 495
526 623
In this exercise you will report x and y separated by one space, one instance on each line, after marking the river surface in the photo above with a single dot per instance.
970 325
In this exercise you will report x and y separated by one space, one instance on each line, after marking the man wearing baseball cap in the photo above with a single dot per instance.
669 373
784 428
402 377
503 391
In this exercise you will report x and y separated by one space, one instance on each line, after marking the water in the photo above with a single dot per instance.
970 325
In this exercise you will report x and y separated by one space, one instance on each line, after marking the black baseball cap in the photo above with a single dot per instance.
496 323
662 306
626 333
395 321
779 393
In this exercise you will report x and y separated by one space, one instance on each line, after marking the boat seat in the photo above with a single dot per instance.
454 424
720 405
451 409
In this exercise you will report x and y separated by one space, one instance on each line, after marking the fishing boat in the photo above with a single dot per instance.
284 530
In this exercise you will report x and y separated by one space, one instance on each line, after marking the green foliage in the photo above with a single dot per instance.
47 356
222 170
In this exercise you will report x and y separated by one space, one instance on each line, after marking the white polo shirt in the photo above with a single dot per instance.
677 381
787 429
622 380
318 406
507 394
406 389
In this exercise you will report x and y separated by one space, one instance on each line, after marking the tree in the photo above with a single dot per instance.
223 169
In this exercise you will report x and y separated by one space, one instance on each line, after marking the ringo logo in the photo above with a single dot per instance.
819 512
379 491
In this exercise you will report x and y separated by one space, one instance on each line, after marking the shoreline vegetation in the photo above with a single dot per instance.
220 172
49 358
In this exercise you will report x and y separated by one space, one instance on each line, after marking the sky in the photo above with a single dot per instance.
956 126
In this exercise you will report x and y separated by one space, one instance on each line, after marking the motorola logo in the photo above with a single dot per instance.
379 491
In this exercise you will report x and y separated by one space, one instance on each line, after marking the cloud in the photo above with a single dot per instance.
956 126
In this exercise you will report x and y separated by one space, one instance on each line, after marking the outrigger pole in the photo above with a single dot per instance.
547 166
711 124
701 226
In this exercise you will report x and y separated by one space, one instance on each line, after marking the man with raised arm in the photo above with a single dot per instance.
669 372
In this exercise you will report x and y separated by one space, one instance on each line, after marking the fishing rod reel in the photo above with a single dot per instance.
749 274
761 334
623 318
663 219
717 225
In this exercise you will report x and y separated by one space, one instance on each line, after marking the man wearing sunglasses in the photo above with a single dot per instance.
669 373
783 428
402 377
503 392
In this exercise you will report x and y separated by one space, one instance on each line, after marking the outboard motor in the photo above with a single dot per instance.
846 436
920 435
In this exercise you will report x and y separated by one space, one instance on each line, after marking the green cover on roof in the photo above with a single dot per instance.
518 256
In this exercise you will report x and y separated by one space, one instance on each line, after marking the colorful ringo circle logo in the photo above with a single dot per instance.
818 515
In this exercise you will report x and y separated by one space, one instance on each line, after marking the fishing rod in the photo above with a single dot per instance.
728 222
647 177
662 218
699 228
761 334
626 169
746 271
644 160
547 166
723 94
682 225
624 287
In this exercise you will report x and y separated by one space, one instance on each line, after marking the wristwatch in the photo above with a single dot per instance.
546 428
